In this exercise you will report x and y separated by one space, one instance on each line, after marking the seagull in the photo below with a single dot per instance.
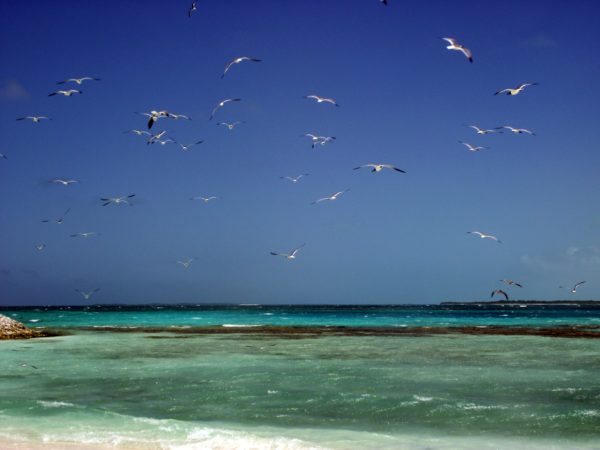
221 104
380 167
237 61
296 178
517 90
84 235
66 93
3 156
231 126
187 147
332 197
291 255
501 292
60 220
484 236
483 131
511 283
456 46
64 182
40 247
205 199
186 264
323 140
155 137
166 141
117 200
192 9
517 130
179 116
153 116
87 295
471 147
322 99
79 81
138 132
574 290
34 119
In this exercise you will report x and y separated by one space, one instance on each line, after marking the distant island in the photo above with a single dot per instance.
521 302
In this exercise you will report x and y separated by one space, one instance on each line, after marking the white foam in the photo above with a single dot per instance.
239 325
54 404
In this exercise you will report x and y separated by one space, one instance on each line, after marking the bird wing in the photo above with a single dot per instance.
451 41
297 249
467 53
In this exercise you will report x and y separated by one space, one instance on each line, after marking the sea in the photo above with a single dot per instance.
182 377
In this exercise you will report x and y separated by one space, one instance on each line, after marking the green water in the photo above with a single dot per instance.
243 391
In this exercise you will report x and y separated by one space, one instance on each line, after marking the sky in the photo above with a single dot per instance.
404 99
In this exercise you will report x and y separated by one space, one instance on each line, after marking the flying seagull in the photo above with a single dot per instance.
517 130
472 148
87 295
79 81
186 264
3 156
64 182
296 178
205 199
316 140
515 91
456 46
232 125
85 234
380 167
166 141
331 197
192 9
512 283
485 236
500 292
482 130
221 104
291 255
40 247
153 116
188 146
68 93
574 290
155 137
34 119
117 200
138 132
322 99
179 116
237 61
60 220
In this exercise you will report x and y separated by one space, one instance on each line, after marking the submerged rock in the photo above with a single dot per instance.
11 329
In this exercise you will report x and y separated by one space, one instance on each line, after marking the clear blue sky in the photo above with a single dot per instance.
393 238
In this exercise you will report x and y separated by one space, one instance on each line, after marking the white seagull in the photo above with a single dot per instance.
454 45
221 104
296 178
179 116
316 140
79 81
3 156
472 148
34 119
64 182
232 125
517 130
379 167
117 200
237 61
485 236
331 198
188 146
138 132
187 263
511 283
482 130
155 137
515 91
40 247
574 290
322 99
85 234
192 9
291 255
153 116
205 199
68 93
87 295
60 220
501 292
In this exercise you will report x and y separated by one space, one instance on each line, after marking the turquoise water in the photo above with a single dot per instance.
168 391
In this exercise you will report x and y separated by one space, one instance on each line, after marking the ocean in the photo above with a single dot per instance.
303 377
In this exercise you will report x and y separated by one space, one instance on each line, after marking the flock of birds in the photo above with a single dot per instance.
162 138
